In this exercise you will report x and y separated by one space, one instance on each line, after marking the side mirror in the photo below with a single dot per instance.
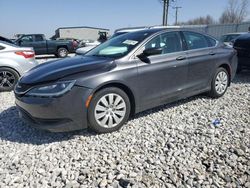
152 51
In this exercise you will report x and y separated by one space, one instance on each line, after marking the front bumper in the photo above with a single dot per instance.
62 114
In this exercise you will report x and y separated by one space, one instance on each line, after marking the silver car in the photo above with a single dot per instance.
14 62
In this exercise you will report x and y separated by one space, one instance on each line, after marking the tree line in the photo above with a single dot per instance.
236 12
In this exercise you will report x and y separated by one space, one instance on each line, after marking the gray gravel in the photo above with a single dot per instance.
174 145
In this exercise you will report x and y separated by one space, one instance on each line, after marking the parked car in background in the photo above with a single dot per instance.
14 62
60 48
76 42
242 45
3 39
123 76
87 47
229 39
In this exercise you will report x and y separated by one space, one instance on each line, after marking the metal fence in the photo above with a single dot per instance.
220 29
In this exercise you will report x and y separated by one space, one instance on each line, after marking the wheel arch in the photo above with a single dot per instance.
11 69
228 69
124 88
62 46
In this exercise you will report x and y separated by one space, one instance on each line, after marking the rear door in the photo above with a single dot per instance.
202 56
162 76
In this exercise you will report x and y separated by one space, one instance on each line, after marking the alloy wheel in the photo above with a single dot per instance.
63 53
110 110
7 79
221 82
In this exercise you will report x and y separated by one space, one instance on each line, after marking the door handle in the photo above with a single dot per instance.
212 53
180 58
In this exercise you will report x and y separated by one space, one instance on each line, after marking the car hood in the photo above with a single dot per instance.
55 70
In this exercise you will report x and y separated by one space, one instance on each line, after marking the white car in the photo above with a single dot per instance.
14 62
88 46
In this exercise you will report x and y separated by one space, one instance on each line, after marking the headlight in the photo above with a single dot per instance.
53 90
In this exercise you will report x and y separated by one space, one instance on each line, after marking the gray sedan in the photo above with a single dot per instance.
14 62
123 76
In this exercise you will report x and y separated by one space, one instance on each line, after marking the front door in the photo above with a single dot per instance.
40 45
162 76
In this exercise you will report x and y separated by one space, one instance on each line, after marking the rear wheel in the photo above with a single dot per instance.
8 79
220 83
109 110
62 52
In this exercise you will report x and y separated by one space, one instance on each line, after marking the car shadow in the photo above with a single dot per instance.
14 129
242 77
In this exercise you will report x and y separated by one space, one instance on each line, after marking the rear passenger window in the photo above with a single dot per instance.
195 40
38 38
169 42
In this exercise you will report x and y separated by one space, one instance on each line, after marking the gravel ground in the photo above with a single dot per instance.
174 145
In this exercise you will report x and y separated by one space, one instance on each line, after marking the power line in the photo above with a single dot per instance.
166 4
176 13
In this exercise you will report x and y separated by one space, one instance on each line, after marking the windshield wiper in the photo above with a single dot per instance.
96 55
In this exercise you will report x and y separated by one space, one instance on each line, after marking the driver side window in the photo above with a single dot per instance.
169 43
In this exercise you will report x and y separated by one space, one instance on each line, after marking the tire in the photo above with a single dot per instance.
62 52
219 83
8 79
109 109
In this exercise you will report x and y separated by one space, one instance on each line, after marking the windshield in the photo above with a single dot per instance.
118 34
119 46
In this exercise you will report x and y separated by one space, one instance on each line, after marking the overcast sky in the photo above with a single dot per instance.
45 16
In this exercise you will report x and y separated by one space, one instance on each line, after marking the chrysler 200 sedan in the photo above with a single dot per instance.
123 76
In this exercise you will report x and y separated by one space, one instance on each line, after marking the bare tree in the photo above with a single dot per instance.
207 20
236 12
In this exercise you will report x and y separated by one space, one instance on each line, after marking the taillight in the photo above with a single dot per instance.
26 54
75 44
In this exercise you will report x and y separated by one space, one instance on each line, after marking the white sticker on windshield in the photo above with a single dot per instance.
130 42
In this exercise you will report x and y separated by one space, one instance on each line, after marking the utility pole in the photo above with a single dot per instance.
165 12
176 14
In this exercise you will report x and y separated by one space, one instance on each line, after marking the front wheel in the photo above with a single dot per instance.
62 52
109 109
220 83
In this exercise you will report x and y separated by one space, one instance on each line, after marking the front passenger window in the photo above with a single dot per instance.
169 42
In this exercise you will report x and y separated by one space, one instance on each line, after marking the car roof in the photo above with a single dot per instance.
239 33
156 30
132 29
244 36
